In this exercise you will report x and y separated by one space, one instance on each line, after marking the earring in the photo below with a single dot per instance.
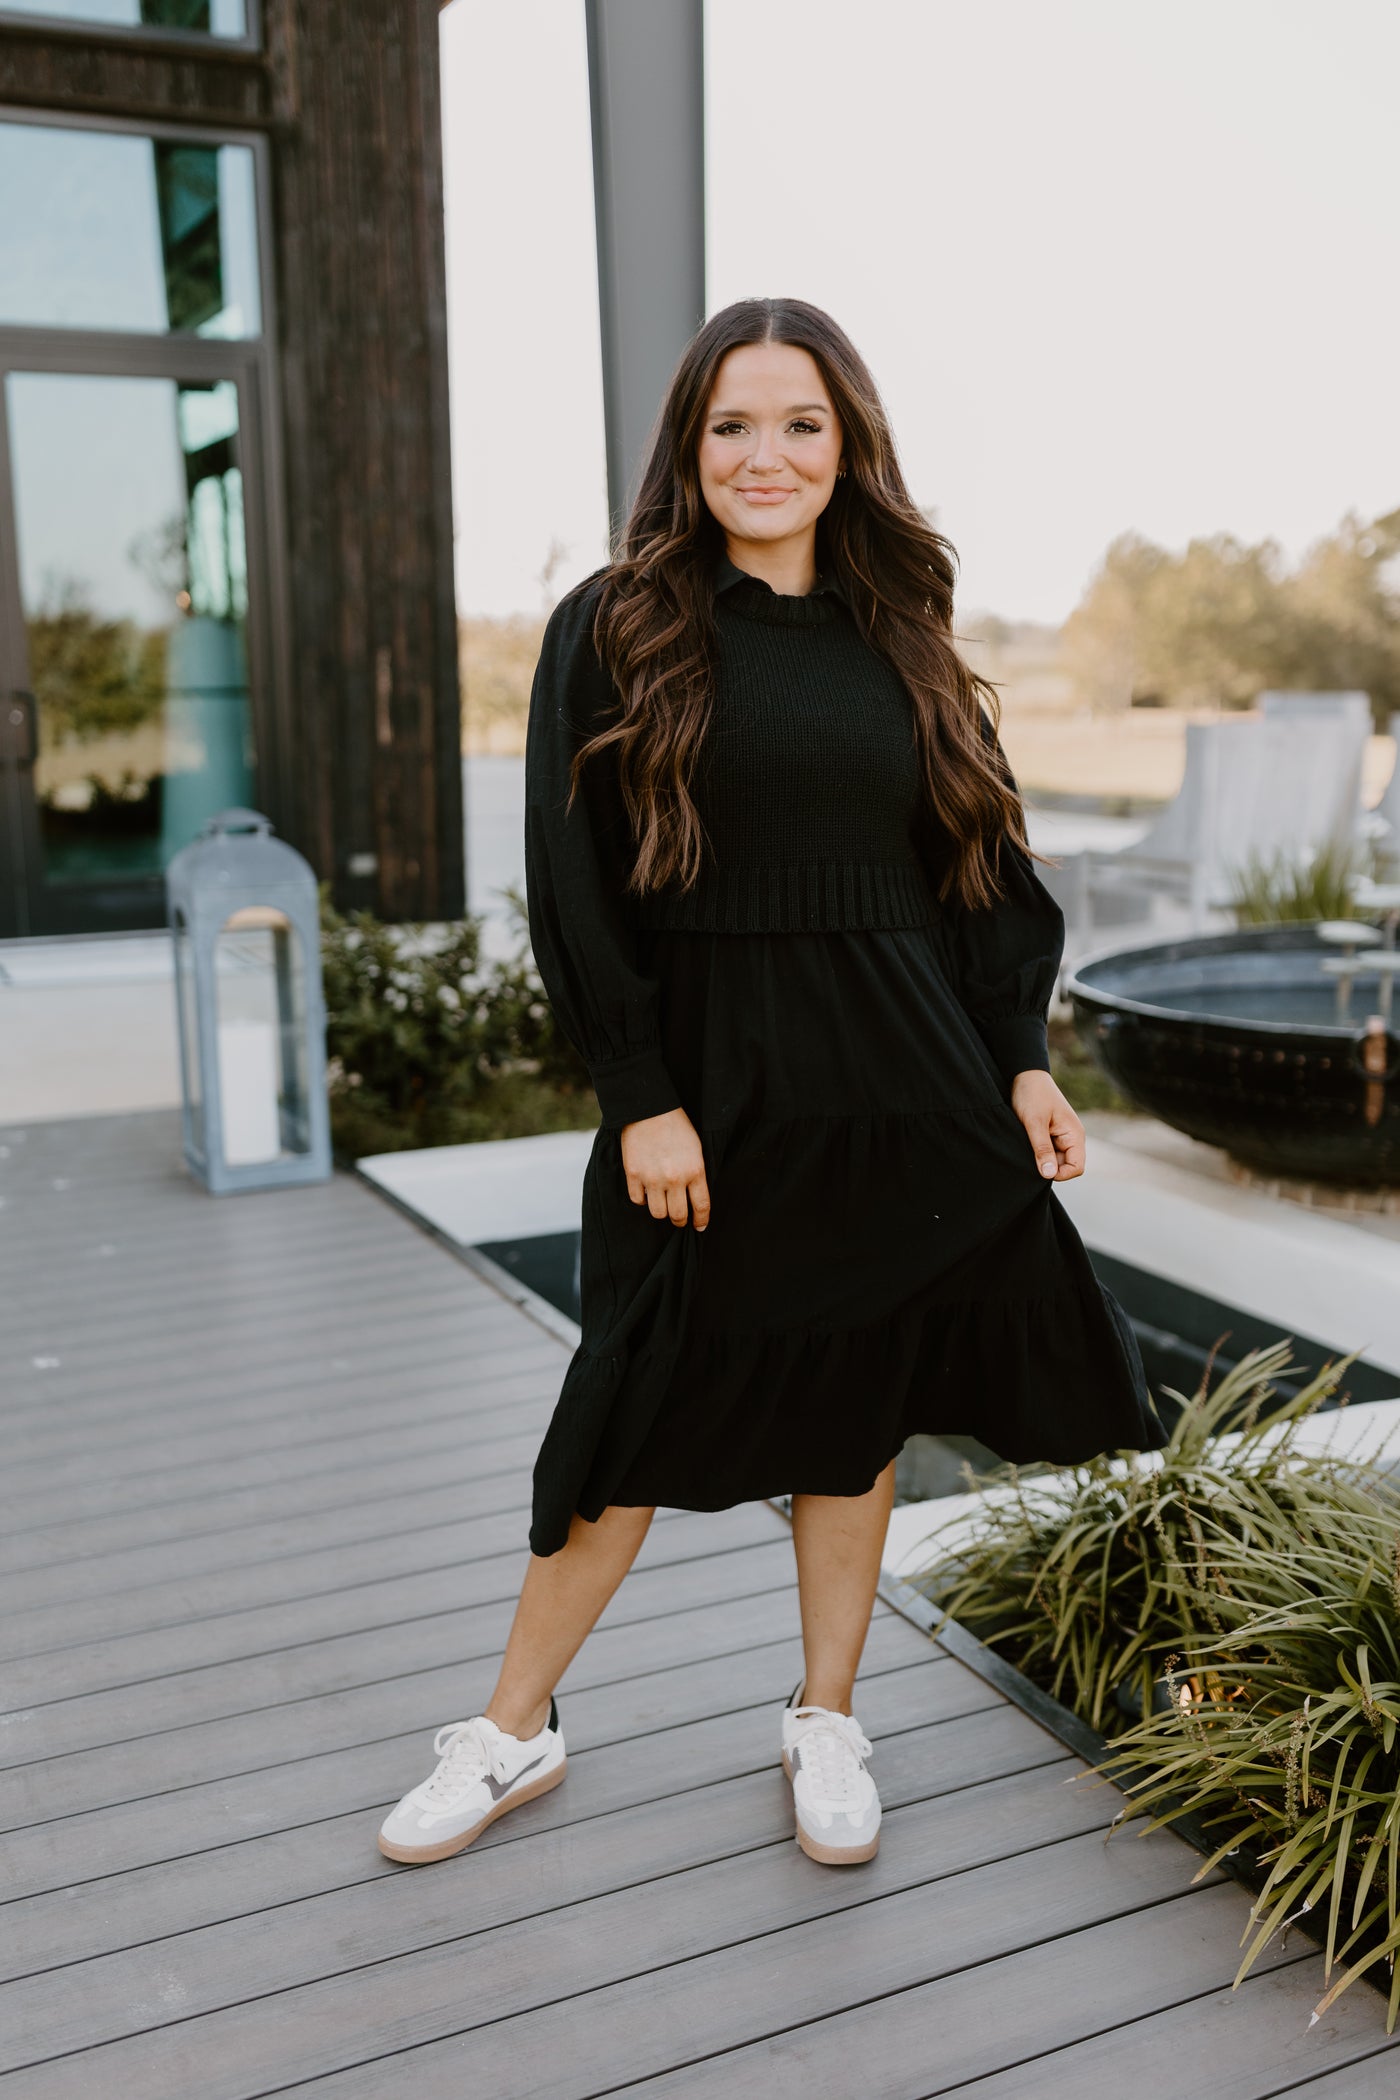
840 473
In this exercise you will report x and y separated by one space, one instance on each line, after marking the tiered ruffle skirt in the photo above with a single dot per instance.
883 1257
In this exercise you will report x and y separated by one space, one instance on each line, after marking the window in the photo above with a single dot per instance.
105 229
227 19
135 630
133 573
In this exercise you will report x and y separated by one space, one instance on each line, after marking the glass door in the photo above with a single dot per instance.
128 686
135 638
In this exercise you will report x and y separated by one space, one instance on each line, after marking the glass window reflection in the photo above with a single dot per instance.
110 230
223 18
134 578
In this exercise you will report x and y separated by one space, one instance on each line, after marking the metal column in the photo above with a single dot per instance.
646 89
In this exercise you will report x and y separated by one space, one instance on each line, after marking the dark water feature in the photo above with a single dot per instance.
1286 990
1237 1040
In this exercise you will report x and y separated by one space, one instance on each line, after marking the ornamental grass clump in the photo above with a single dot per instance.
1227 1611
1284 888
1280 1736
1088 1577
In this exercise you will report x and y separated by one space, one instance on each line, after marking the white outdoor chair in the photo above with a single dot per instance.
1328 707
1285 782
1387 815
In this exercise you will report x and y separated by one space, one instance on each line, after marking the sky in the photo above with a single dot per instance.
1114 266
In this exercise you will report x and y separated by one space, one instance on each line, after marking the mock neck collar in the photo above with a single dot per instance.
728 574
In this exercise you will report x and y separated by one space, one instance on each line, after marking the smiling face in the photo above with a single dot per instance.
770 446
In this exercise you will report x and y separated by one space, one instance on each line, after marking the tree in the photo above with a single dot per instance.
1104 635
95 677
1217 623
1224 620
1347 600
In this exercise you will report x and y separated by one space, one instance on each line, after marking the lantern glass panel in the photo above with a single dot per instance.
260 972
189 1036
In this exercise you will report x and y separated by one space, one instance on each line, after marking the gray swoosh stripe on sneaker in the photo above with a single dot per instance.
499 1787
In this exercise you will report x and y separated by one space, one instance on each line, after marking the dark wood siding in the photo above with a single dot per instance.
101 75
361 571
359 216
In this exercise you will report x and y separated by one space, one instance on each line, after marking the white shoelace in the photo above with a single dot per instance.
832 1746
469 1750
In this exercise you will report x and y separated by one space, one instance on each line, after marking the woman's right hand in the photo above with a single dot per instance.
665 1164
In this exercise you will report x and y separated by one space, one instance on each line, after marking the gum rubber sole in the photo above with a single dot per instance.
837 1855
832 1855
421 1855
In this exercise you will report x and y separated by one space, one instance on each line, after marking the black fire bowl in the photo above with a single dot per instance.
1235 1038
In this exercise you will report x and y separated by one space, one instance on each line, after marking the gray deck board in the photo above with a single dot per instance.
639 1892
483 2000
211 1373
287 1576
1007 2015
211 1482
265 1520
1367 2077
356 1606
149 1457
103 1776
345 1404
361 1524
338 1487
256 1871
357 1769
154 1479
358 1384
1228 2054
353 1662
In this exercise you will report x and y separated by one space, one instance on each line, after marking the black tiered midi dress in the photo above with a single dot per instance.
883 1256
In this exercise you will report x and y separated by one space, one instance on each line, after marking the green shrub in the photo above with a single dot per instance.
430 1045
1228 1614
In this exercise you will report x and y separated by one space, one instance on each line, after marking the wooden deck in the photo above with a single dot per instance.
267 1465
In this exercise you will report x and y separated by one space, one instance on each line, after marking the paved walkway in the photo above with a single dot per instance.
266 1476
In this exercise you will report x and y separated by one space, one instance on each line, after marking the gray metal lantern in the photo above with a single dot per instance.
245 921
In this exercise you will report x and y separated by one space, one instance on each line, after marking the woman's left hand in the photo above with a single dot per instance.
1053 1128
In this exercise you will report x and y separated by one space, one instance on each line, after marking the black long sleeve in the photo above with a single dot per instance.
1008 956
582 930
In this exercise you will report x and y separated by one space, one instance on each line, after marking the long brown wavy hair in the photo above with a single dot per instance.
654 624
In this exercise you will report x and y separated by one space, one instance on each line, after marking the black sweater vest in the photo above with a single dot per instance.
806 782
808 787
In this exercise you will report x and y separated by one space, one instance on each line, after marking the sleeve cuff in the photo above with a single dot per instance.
632 1088
1018 1043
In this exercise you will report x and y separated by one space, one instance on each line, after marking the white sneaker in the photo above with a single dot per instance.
838 1807
481 1772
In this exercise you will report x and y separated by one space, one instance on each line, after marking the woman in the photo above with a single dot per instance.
781 900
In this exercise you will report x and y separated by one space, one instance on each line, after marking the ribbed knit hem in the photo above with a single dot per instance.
818 896
633 1087
1018 1043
